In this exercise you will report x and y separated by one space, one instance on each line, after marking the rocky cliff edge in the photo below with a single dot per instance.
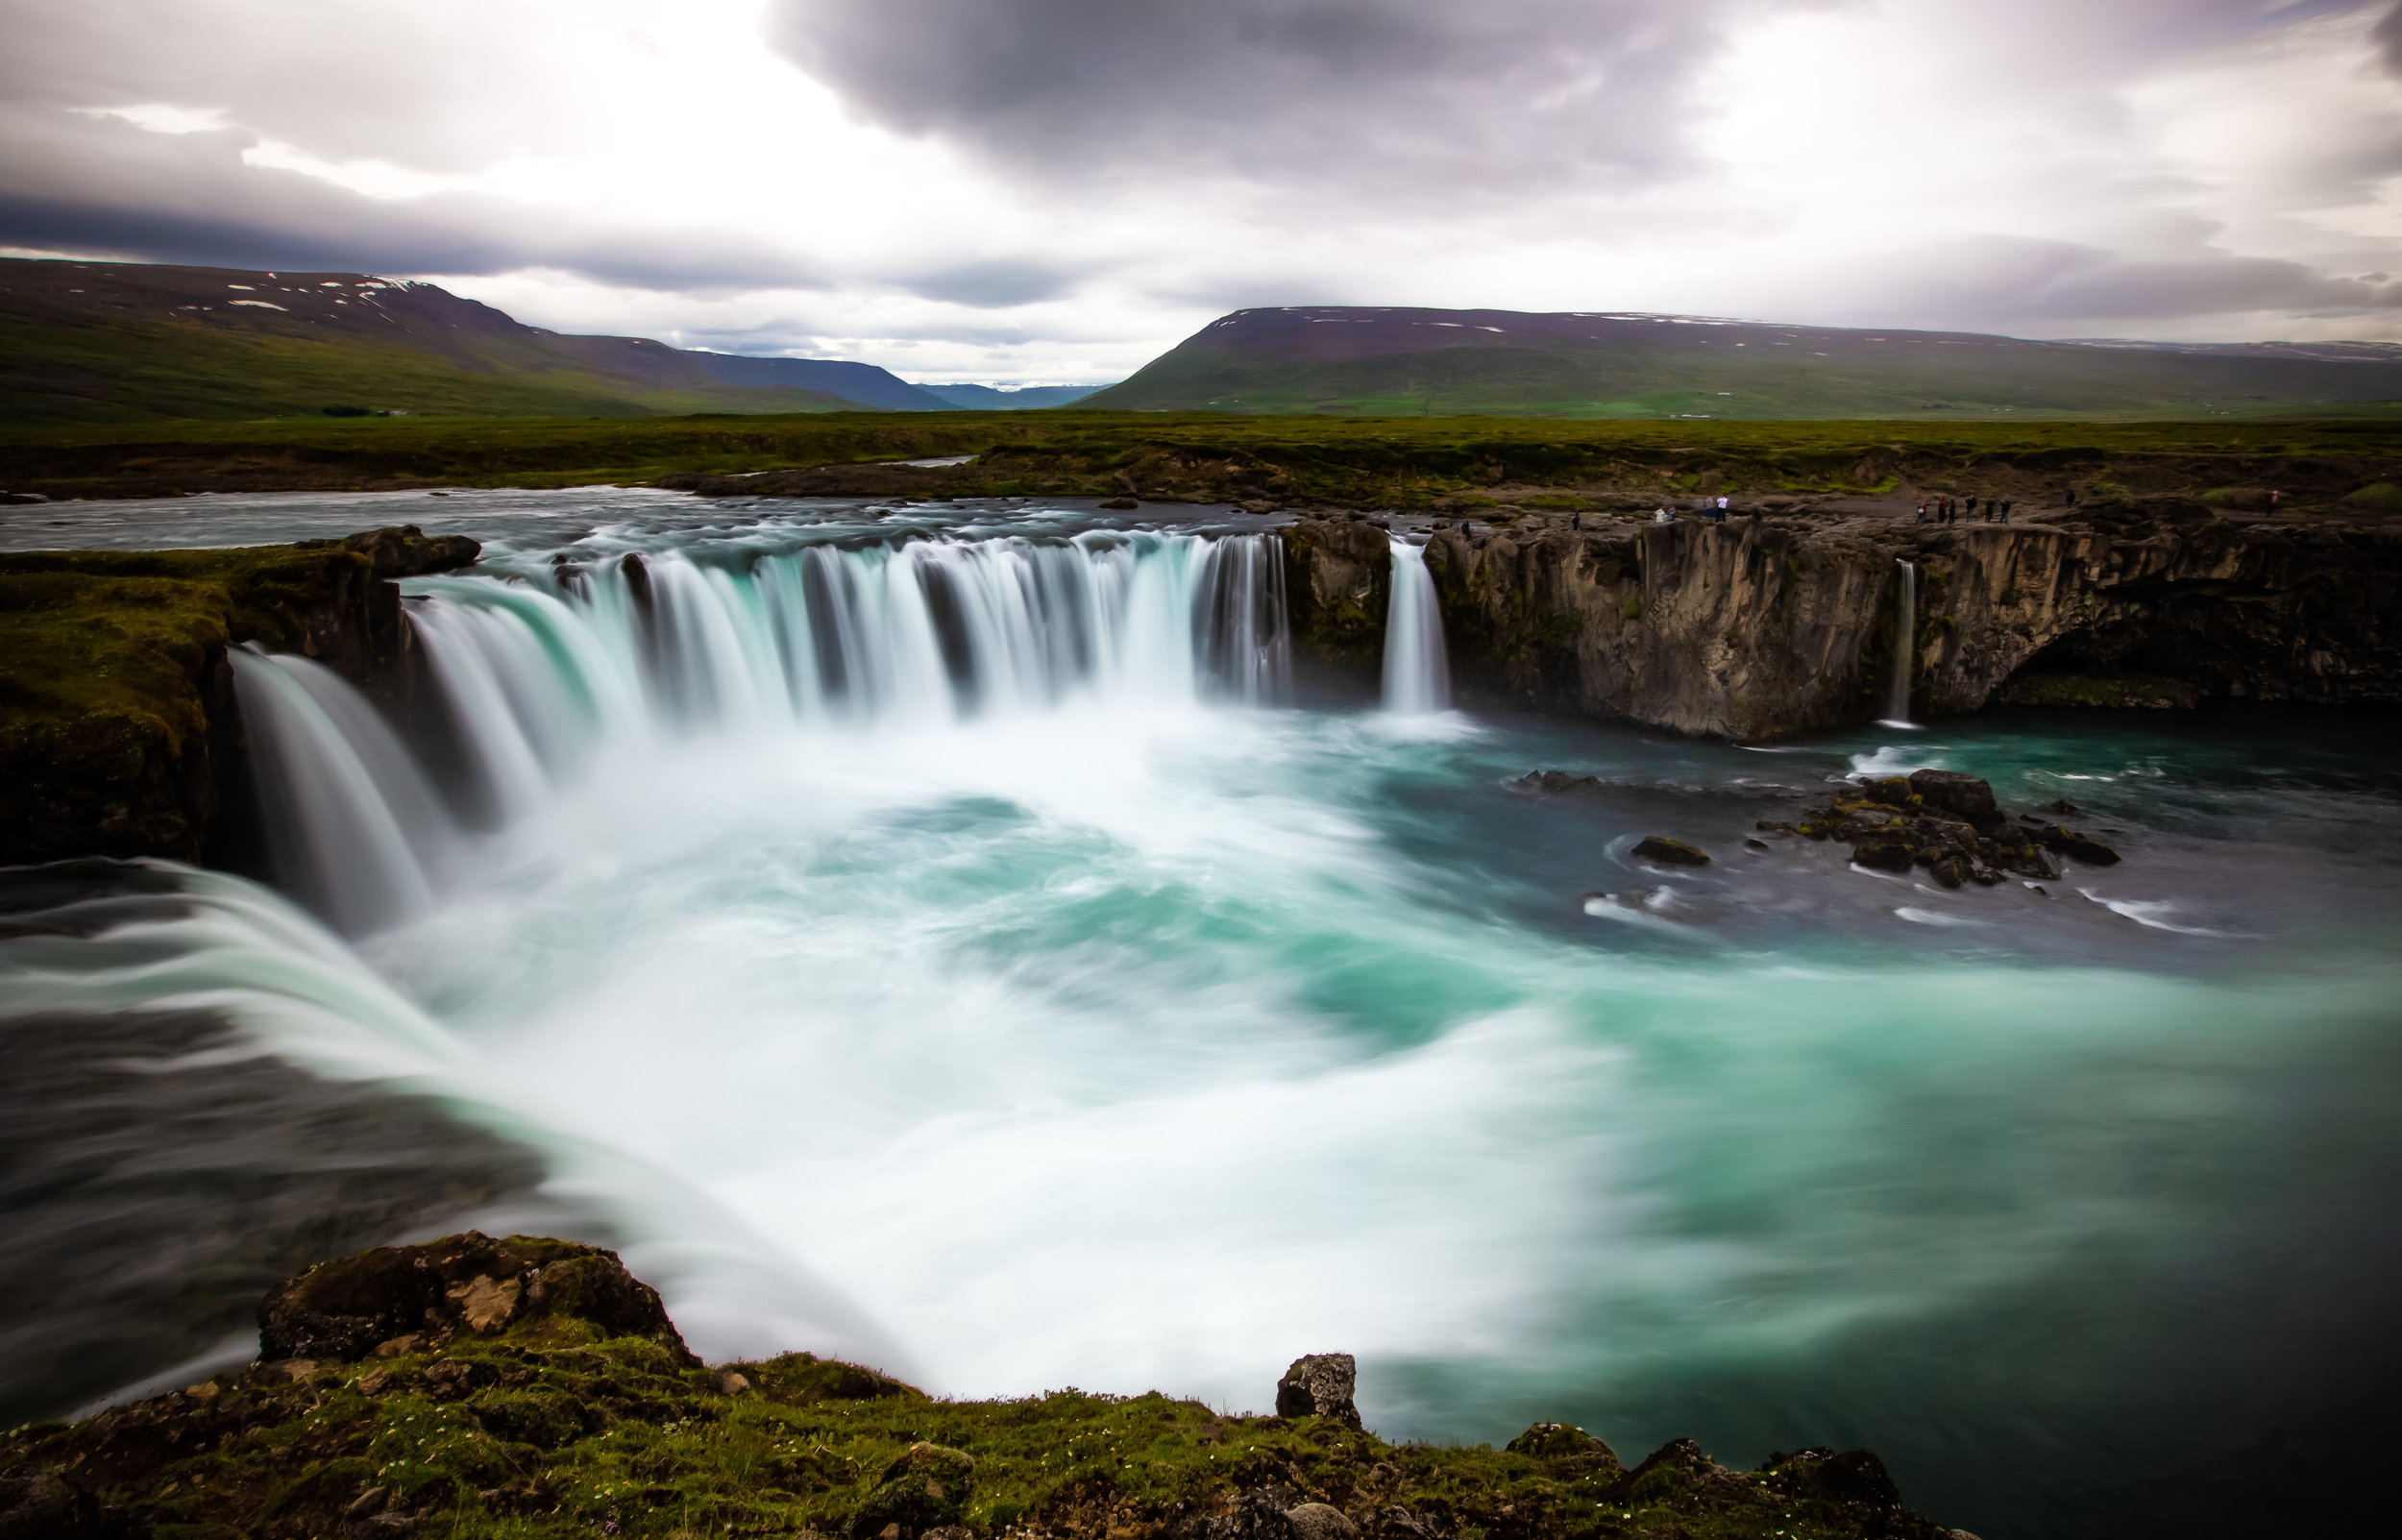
474 1386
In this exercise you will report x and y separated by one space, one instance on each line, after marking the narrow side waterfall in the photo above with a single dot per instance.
353 826
1904 645
1417 671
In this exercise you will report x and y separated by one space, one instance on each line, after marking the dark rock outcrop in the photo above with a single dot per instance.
1319 1384
1944 821
402 1298
1661 850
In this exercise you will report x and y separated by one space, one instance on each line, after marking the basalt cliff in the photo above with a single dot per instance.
1762 627
119 731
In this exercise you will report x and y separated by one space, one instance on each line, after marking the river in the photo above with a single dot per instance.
936 935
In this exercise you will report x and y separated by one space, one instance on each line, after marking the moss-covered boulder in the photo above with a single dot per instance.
396 1297
926 1488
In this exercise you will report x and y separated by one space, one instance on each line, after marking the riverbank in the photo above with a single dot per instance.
1461 463
472 1386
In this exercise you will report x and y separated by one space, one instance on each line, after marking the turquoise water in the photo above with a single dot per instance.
1136 1036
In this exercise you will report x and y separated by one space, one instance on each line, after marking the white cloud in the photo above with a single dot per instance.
1060 188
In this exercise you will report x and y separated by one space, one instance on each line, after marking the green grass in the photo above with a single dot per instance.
111 369
1341 461
1690 372
555 1430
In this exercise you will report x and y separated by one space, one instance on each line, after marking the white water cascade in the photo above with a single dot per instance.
543 671
355 826
1904 646
1417 671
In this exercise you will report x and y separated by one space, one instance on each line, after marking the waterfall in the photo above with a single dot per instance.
1904 646
351 822
1417 671
541 672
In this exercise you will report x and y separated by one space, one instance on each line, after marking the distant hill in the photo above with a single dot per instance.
862 383
1022 397
1409 362
134 342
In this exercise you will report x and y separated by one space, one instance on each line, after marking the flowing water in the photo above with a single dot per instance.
931 936
1904 643
1417 671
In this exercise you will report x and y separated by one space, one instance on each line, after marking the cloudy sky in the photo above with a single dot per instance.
1051 190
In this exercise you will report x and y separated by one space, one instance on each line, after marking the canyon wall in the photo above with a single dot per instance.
1757 629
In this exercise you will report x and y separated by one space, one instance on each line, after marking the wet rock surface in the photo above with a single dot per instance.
1947 823
1661 850
573 1410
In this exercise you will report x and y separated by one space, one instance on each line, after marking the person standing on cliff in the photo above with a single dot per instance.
1922 518
2005 511
1576 520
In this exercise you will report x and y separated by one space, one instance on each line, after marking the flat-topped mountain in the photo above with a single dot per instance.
1393 361
131 342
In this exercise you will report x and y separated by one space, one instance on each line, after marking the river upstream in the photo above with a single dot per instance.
944 940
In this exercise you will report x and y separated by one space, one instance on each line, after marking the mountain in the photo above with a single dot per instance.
1022 397
134 342
862 383
1407 362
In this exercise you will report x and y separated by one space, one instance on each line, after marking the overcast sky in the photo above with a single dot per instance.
1053 190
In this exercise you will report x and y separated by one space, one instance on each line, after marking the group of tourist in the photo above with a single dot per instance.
1948 510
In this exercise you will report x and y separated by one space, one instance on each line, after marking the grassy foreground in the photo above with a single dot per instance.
1351 461
546 1393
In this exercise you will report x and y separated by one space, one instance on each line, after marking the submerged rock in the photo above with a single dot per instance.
1664 851
1943 820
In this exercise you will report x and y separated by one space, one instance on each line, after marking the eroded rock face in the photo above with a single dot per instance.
409 1297
1319 1384
1753 630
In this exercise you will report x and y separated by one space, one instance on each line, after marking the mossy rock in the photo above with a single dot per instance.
1661 850
926 1488
553 1425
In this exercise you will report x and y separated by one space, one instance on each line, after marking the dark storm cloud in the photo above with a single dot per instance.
104 186
996 283
1499 91
2388 35
2008 283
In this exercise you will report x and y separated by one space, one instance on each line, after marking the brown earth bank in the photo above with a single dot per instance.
1768 624
119 733
474 1386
